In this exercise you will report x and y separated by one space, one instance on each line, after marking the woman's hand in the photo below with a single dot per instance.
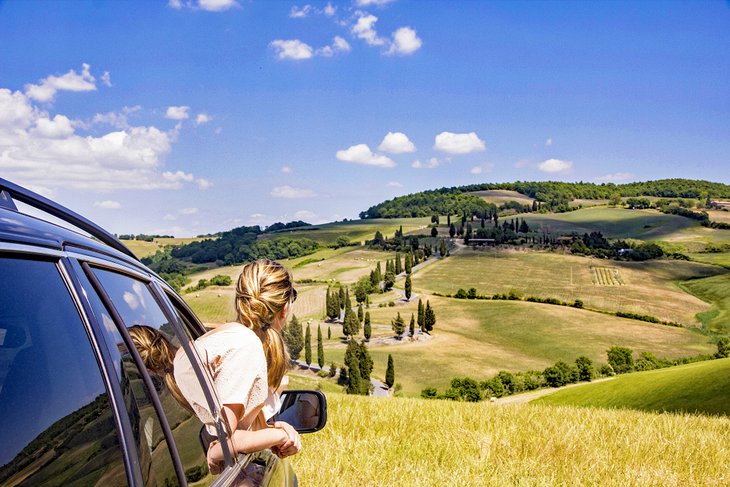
292 445
214 457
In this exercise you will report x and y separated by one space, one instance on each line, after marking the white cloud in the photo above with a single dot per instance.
618 177
169 217
377 3
58 128
286 169
405 41
177 113
329 10
107 205
484 168
555 165
549 142
208 5
189 211
394 184
289 192
177 176
452 143
361 154
46 90
291 49
116 119
203 184
106 79
300 12
364 29
396 143
305 215
44 151
338 45
202 118
430 164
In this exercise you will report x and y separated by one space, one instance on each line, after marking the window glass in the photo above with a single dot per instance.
56 423
143 318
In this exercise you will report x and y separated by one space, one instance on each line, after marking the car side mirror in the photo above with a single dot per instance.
306 411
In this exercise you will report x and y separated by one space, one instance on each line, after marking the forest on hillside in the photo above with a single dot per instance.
551 195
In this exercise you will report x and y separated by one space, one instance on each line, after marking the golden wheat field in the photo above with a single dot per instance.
417 442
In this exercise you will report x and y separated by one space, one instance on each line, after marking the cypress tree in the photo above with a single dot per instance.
442 248
434 232
398 265
327 303
409 263
408 287
421 320
320 348
308 346
360 315
398 325
350 326
412 327
292 335
390 372
353 368
329 333
452 230
429 317
335 303
366 366
341 297
378 272
367 329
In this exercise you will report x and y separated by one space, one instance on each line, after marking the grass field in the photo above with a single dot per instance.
142 249
479 338
402 441
643 287
355 230
719 216
501 196
702 387
715 290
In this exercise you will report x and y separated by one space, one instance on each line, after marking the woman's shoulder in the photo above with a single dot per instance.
230 335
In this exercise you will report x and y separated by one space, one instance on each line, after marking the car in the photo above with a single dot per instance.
77 405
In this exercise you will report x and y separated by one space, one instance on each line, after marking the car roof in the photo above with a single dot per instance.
22 228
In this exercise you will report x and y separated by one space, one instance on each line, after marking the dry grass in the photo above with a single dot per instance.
423 443
649 287
500 196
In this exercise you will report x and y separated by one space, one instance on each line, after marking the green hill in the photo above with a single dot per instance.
702 387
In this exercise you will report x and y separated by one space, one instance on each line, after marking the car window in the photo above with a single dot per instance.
56 422
138 308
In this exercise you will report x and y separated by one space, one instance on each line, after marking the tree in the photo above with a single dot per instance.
329 333
320 348
434 232
360 314
366 366
390 372
292 335
408 287
452 230
341 297
336 307
367 329
353 368
621 359
398 325
308 346
409 263
442 248
398 264
429 318
723 347
412 326
421 315
585 368
388 281
350 326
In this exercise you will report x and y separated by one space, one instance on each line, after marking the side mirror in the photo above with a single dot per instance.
306 411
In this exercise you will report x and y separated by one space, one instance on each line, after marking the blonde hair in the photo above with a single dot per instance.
158 354
264 288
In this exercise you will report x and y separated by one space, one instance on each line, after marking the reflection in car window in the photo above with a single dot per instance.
137 307
56 422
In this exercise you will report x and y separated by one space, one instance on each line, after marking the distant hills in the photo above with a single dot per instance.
550 195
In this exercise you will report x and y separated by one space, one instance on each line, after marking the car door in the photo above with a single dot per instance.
166 433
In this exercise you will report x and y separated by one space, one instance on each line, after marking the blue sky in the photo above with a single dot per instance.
187 117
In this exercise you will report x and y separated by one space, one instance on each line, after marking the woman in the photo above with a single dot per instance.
247 361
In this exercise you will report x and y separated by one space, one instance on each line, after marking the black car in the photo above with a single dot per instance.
77 405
